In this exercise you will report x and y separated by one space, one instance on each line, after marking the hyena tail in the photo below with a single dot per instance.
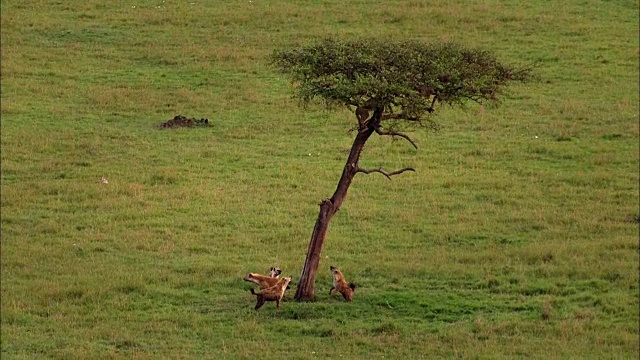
352 286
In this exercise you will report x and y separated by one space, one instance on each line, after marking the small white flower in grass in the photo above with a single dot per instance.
535 137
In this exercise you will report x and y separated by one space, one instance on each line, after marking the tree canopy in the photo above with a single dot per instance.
402 79
383 80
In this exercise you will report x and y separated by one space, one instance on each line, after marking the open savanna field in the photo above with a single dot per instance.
516 237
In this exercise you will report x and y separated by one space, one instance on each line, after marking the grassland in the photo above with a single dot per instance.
516 238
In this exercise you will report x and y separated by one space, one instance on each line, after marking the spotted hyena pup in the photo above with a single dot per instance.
264 281
274 293
341 285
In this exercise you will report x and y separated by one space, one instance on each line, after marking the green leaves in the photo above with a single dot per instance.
404 76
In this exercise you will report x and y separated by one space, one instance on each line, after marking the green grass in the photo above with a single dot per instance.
517 237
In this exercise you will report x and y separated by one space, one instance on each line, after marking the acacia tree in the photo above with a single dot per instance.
390 86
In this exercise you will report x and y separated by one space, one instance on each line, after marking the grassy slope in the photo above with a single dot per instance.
515 213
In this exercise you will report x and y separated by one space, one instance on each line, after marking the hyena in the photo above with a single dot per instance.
273 293
341 285
264 281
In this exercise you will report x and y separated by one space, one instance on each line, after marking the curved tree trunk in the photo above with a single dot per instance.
328 208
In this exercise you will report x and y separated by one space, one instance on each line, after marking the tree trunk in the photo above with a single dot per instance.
328 208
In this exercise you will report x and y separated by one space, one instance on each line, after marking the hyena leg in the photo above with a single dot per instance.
260 302
331 291
278 304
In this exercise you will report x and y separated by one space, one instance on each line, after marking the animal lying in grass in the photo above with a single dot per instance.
264 281
341 285
273 293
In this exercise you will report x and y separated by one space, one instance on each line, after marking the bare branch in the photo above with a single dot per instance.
387 174
352 129
394 133
435 97
399 116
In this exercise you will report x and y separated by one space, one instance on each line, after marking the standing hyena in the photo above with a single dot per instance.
340 284
264 281
274 293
